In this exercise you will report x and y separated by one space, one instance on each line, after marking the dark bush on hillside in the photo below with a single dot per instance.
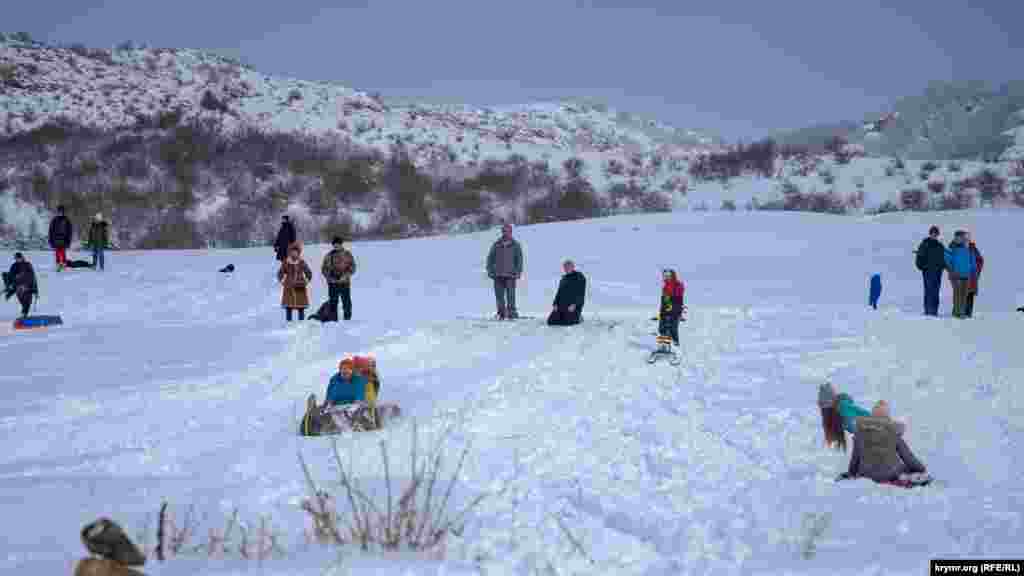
728 206
757 158
456 200
887 206
913 199
959 200
211 102
508 180
991 185
408 188
953 167
574 168
174 232
339 225
937 186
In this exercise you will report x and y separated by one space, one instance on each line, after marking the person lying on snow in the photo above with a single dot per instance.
839 414
880 452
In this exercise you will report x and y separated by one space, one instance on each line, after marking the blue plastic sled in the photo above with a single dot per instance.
30 322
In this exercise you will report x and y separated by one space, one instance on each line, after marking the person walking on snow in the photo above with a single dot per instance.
294 276
961 264
931 261
671 310
505 266
876 291
286 236
99 237
60 237
567 308
20 280
972 286
338 267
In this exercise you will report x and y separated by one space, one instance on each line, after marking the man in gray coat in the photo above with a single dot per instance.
505 266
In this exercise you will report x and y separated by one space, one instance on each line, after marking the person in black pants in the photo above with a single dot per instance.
931 261
21 280
567 308
338 267
671 310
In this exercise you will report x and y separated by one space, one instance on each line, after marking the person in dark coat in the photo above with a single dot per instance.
286 236
567 308
505 266
20 280
931 261
60 237
876 291
99 238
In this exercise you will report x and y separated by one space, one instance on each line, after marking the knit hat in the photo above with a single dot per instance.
347 360
18 255
99 216
826 395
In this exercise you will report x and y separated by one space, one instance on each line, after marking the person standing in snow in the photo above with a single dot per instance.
567 308
20 280
972 286
931 261
60 237
505 266
961 265
286 236
338 267
876 291
99 238
671 310
294 276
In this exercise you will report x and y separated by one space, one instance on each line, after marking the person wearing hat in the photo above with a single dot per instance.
931 261
286 236
60 237
99 237
345 387
294 276
879 450
21 280
338 268
839 414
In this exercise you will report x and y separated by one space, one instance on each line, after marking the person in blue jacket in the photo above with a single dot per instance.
346 387
876 291
839 414
961 263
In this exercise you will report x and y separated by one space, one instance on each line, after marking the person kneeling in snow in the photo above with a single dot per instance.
879 450
567 308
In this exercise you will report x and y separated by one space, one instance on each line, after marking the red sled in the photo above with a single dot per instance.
35 322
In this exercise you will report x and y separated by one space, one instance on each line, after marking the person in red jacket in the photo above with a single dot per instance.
671 310
972 284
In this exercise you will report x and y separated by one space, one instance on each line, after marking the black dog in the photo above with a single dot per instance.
1021 309
228 268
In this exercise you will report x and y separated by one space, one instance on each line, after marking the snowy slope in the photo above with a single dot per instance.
170 381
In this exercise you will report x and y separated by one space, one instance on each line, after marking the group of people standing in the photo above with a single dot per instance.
963 262
294 275
62 231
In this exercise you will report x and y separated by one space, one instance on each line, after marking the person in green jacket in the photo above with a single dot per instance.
839 414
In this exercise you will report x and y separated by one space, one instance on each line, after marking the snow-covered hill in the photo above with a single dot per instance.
171 382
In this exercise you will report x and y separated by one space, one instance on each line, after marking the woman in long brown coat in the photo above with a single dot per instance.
294 276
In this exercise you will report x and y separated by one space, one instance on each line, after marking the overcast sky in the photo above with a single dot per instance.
740 69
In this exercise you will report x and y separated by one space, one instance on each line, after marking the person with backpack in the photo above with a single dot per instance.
972 286
286 236
504 267
294 276
931 261
60 237
99 238
20 280
961 265
567 309
338 268
671 309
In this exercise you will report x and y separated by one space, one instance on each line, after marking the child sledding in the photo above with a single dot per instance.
350 402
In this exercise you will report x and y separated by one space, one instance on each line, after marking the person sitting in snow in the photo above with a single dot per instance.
839 415
567 308
879 450
671 311
21 280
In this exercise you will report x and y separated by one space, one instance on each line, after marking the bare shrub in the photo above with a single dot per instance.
338 225
8 73
913 199
728 206
174 232
828 177
757 158
183 537
614 167
456 200
937 186
408 188
211 102
887 206
991 185
411 515
508 180
958 200
953 167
